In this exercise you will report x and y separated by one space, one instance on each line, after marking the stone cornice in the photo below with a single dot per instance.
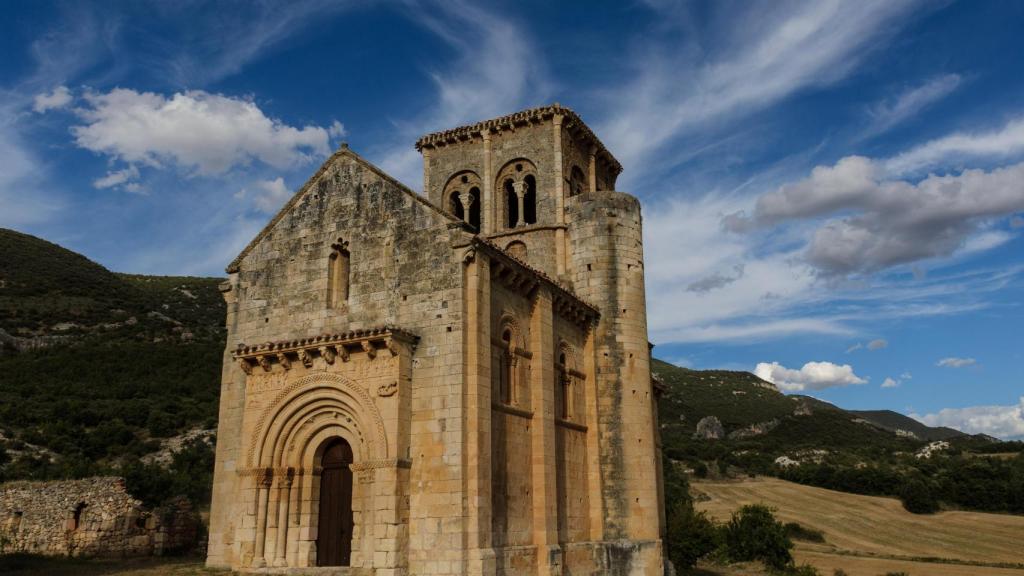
570 121
327 346
519 276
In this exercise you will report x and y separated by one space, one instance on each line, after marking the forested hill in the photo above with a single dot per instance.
97 368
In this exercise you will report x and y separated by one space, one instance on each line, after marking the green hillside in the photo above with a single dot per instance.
895 421
97 367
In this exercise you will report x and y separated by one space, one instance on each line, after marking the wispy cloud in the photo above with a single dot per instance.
59 97
775 50
1002 143
889 113
954 362
495 70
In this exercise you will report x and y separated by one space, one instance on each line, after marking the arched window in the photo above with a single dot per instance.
517 249
338 274
511 204
505 370
474 208
462 193
577 181
564 388
518 183
455 204
530 200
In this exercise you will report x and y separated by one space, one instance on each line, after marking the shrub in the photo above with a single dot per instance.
691 535
797 532
917 497
753 533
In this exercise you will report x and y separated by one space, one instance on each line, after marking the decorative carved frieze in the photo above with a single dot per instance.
388 389
326 346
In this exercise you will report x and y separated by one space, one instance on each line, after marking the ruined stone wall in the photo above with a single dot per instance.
90 517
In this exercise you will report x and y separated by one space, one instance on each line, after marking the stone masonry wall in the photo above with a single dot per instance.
90 517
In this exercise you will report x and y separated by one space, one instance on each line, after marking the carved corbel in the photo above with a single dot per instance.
389 389
343 353
469 255
369 349
327 353
285 362
246 367
392 346
305 358
264 361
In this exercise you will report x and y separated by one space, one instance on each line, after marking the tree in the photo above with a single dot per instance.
753 533
691 535
917 497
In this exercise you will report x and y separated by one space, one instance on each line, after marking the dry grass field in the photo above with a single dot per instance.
868 536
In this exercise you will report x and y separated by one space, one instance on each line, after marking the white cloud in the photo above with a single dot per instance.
198 132
896 382
337 130
954 362
60 97
883 223
885 115
812 376
269 195
1005 142
774 51
998 421
117 178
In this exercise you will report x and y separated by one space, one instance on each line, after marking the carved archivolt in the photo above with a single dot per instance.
308 406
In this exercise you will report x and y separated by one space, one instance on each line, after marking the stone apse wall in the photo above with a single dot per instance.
90 517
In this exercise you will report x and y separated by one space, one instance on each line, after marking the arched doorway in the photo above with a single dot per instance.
334 532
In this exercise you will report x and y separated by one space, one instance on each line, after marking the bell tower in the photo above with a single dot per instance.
511 179
545 187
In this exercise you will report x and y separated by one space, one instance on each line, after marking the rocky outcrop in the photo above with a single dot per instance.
709 428
90 517
754 430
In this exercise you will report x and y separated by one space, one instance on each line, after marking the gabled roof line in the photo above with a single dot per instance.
343 151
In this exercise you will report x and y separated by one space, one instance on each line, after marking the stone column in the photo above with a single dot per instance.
477 455
467 201
560 249
426 178
284 486
520 190
592 171
489 208
542 384
262 495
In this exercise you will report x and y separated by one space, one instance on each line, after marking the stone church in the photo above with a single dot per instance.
449 383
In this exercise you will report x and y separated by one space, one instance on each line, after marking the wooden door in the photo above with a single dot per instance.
334 533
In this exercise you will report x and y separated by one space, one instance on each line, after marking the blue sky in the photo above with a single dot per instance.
833 191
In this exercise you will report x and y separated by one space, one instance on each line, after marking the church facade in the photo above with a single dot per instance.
449 383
